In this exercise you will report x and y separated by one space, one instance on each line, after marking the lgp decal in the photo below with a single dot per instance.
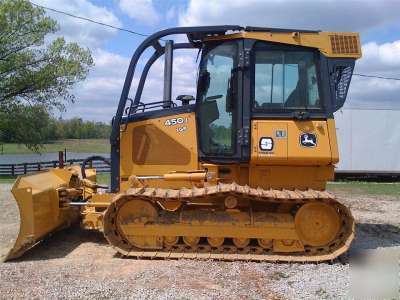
308 140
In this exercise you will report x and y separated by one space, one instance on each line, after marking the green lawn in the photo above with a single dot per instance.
365 188
72 145
350 187
103 178
7 179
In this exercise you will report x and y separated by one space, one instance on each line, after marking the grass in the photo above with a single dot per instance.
103 178
349 187
7 179
72 145
365 188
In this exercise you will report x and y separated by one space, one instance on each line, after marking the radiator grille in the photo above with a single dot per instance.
344 44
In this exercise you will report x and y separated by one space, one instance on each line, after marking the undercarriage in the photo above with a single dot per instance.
229 222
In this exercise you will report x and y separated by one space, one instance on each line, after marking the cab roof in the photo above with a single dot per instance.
196 37
331 44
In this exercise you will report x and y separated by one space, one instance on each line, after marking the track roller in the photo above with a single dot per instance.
241 242
191 241
171 240
215 241
265 243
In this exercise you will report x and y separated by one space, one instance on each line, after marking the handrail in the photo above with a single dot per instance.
142 107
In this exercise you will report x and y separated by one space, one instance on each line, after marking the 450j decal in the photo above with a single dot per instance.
175 121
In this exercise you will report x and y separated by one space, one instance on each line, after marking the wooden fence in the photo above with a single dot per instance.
26 168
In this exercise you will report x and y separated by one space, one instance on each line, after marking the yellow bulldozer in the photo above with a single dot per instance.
236 172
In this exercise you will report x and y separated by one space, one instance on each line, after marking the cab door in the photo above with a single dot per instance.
219 110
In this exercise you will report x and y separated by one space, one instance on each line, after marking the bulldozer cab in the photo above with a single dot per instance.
242 78
244 74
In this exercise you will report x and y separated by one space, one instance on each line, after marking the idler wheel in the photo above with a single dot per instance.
317 224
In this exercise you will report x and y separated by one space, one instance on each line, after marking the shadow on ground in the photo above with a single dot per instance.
62 243
372 236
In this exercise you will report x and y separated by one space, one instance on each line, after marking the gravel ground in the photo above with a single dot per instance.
79 264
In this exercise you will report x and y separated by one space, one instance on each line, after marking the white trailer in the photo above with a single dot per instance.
369 141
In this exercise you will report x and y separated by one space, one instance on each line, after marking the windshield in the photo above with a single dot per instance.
285 79
217 99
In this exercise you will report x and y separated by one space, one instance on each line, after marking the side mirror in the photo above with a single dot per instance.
185 99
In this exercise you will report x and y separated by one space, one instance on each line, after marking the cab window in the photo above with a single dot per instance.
285 79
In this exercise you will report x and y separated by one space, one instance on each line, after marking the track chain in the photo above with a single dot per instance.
227 252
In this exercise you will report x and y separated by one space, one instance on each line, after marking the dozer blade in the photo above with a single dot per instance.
40 208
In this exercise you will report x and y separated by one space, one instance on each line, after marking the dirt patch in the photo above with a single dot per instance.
80 264
9 222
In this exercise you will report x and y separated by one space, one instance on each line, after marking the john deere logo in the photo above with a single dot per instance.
308 140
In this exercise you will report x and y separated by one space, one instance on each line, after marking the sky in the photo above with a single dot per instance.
378 23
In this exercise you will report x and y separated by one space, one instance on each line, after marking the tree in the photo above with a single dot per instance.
36 73
34 120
